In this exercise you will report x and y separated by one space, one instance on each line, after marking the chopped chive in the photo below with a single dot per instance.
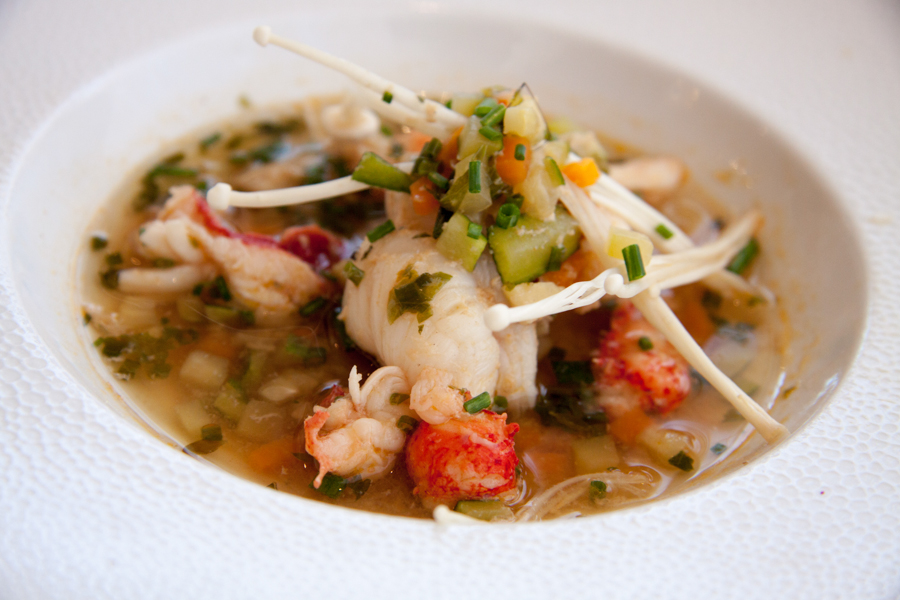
360 487
332 485
386 131
556 176
682 461
273 485
173 171
439 180
598 489
354 273
484 107
377 172
114 259
475 177
449 103
520 152
573 372
718 449
432 148
87 317
198 447
210 140
163 263
220 289
501 403
478 403
398 398
494 116
516 199
99 242
406 423
508 216
110 279
664 231
491 133
212 433
554 263
474 231
313 306
387 97
645 343
380 231
634 264
742 259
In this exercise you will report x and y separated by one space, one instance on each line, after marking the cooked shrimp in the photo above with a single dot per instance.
467 458
635 363
359 434
263 276
454 340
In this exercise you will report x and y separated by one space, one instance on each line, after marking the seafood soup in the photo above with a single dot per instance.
454 306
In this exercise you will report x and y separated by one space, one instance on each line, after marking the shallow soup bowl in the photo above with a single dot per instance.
114 126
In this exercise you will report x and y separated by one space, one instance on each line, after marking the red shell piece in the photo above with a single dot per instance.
312 244
462 459
660 376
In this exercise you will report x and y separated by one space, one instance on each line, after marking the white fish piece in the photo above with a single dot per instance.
454 339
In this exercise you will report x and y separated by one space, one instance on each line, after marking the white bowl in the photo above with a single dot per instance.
210 531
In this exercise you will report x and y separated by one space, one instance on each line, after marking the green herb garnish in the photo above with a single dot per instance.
664 232
597 489
634 264
645 343
380 231
742 259
478 403
682 461
520 152
406 424
353 273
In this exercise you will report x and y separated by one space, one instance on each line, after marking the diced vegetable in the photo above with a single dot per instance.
270 458
465 104
375 171
525 120
456 244
353 273
535 190
620 238
255 364
380 231
583 173
664 232
556 177
626 427
471 140
413 293
478 403
470 192
663 444
510 167
192 416
230 401
204 370
526 293
508 216
484 510
595 454
597 490
423 200
522 252
743 258
634 266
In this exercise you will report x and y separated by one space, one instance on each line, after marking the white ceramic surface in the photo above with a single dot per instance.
93 507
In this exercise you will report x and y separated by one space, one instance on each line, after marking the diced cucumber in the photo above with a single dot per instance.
230 401
255 364
455 243
484 510
594 455
471 141
664 444
522 252
460 196
377 172
465 104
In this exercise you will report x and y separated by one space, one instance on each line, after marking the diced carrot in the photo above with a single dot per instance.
509 169
450 149
627 426
217 341
423 200
583 173
581 266
414 141
269 459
